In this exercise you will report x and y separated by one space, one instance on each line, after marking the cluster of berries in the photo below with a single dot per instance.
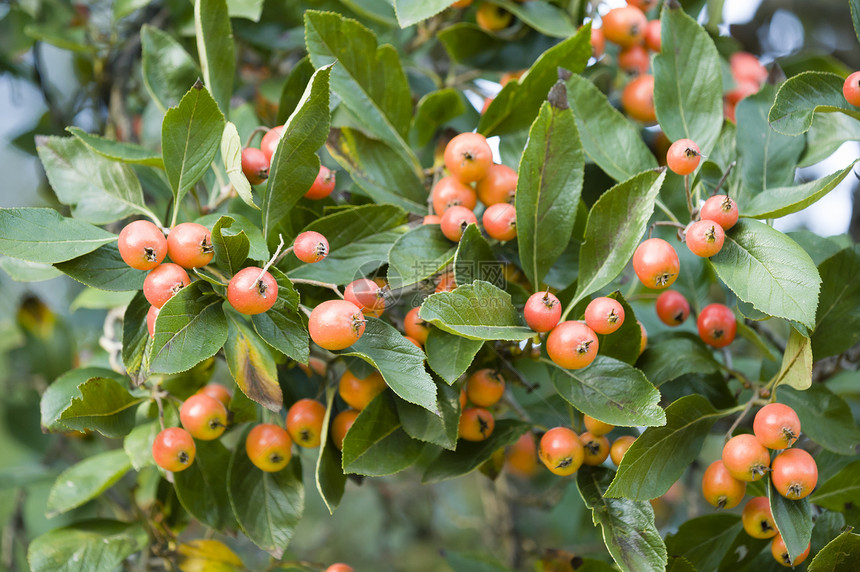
563 452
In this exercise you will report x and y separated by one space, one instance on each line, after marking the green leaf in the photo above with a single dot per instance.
841 490
168 70
660 455
796 368
660 362
123 152
609 138
251 363
625 208
398 360
471 454
190 136
417 255
231 249
359 239
190 328
231 154
295 165
86 480
294 88
368 78
855 16
474 260
376 444
624 343
268 506
215 49
411 12
450 355
258 250
97 189
842 553
138 444
824 417
248 9
95 299
124 8
103 268
329 476
627 526
383 174
779 202
828 132
544 17
519 102
24 271
801 96
764 267
705 540
610 391
93 545
202 487
548 188
283 327
477 311
425 426
688 83
434 109
837 322
793 519
473 563
469 45
135 335
767 159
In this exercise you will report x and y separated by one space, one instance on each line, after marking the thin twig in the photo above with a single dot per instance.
725 176
330 286
269 263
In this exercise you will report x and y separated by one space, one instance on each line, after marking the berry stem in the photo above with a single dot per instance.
328 285
269 263
666 211
260 129
284 254
725 176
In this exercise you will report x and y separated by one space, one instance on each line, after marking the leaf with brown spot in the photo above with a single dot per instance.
251 363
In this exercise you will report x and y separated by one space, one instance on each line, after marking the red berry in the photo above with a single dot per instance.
305 422
757 518
151 315
499 186
367 295
203 416
270 142
542 311
249 293
656 263
596 448
624 26
619 448
415 327
255 165
269 447
745 458
604 315
217 391
717 325
310 247
572 345
747 69
468 157
721 209
450 192
163 282
340 426
851 89
683 156
336 324
653 36
776 426
173 449
634 60
190 245
561 451
323 185
500 221
780 553
672 308
142 245
455 220
720 488
705 238
476 424
794 473
485 387
637 99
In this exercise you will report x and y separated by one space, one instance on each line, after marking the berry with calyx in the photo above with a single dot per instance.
323 185
249 293
450 192
758 519
619 448
173 449
476 424
851 89
745 458
340 426
163 282
203 416
672 308
416 327
270 142
367 295
717 325
468 155
656 263
780 553
625 26
705 238
142 245
336 324
255 165
500 221
595 427
596 449
721 209
310 247
720 488
572 345
683 156
485 387
305 422
776 426
358 392
190 245
542 311
269 447
561 451
454 222
604 315
637 99
794 473
498 186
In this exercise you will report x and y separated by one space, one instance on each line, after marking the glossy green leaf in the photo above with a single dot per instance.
660 363
411 12
764 267
804 95
824 417
138 444
544 17
368 78
202 487
376 444
477 311
626 208
608 138
231 248
837 322
423 425
168 70
231 154
251 363
842 553
474 260
624 343
827 133
793 519
687 81
703 541
103 268
44 236
86 480
434 109
841 490
268 506
97 189
450 355
519 102
121 151
398 360
92 545
469 45
796 368
767 159
855 16
660 455
295 164
383 174
548 188
283 327
779 202
215 49
359 240
417 255
190 136
135 336
25 271
294 88
329 476
258 249
471 454
190 328
627 526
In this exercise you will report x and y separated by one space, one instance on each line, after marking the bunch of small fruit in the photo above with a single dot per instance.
563 452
